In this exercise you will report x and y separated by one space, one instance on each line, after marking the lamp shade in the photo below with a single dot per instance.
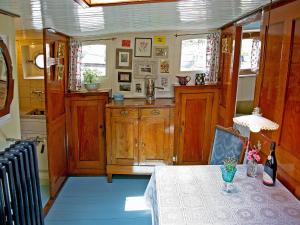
256 122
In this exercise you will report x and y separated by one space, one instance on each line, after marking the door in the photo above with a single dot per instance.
124 140
229 68
87 156
154 130
55 75
195 128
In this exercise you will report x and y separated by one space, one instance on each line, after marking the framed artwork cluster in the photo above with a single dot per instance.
143 59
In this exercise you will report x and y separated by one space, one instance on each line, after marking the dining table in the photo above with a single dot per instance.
194 195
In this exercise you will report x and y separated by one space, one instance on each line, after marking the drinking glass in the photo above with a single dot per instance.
228 176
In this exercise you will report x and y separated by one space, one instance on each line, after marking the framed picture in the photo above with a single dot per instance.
161 52
143 47
123 58
164 82
125 87
124 76
145 68
126 43
164 66
160 40
138 88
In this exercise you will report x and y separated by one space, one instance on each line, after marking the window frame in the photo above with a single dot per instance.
179 46
108 46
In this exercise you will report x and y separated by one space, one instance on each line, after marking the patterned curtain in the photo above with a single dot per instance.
75 65
212 57
255 55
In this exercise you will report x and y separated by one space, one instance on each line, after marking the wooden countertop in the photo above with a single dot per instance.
204 86
89 93
142 103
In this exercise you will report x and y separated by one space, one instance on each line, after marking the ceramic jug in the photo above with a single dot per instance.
183 80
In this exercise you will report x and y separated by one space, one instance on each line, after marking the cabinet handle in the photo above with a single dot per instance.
136 143
124 113
142 144
155 112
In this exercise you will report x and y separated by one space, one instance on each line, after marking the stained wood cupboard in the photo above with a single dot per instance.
86 132
139 136
195 120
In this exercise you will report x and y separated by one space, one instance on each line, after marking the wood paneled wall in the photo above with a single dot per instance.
278 88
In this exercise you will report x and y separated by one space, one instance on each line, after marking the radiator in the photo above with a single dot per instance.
20 197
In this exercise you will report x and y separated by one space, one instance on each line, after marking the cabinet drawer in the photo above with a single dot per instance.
155 112
126 112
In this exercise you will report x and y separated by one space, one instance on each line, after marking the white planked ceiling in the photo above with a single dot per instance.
68 17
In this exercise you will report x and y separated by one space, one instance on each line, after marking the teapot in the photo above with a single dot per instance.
183 80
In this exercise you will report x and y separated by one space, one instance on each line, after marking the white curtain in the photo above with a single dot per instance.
255 55
75 65
212 57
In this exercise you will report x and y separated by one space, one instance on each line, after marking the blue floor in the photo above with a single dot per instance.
93 201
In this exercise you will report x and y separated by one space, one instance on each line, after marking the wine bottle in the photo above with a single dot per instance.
270 168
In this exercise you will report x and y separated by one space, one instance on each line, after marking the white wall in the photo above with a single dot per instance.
174 45
10 127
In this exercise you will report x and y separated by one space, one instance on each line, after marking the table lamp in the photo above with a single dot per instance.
256 122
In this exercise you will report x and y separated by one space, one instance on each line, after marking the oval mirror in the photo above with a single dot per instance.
6 81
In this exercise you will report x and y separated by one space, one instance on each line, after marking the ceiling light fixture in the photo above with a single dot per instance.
91 3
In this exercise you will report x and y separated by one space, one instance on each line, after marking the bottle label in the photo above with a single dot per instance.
267 177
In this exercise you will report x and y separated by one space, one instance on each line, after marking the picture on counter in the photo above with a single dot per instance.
125 87
139 88
161 52
145 68
123 58
164 82
143 47
164 66
126 43
160 40
124 76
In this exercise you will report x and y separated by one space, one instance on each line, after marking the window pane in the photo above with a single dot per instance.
193 55
94 57
246 54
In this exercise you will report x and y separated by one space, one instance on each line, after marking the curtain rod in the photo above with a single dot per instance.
96 39
180 35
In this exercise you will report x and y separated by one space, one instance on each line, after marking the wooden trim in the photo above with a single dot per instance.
10 82
4 12
87 3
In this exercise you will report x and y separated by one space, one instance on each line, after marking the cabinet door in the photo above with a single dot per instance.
87 153
124 140
195 128
154 131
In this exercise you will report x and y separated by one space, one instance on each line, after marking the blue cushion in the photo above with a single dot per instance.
225 145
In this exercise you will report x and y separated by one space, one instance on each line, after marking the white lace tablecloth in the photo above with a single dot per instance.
192 195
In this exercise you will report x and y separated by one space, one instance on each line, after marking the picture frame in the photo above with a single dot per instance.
143 47
139 88
160 40
164 66
126 43
126 87
161 52
164 81
124 76
145 68
123 58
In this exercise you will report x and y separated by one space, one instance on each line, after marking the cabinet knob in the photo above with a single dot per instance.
124 113
142 144
155 112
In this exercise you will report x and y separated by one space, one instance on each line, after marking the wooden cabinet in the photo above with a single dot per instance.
195 120
86 133
139 136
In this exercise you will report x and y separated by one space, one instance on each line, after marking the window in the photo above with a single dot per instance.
193 54
246 50
94 57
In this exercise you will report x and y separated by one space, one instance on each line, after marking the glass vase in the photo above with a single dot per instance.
228 178
252 168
